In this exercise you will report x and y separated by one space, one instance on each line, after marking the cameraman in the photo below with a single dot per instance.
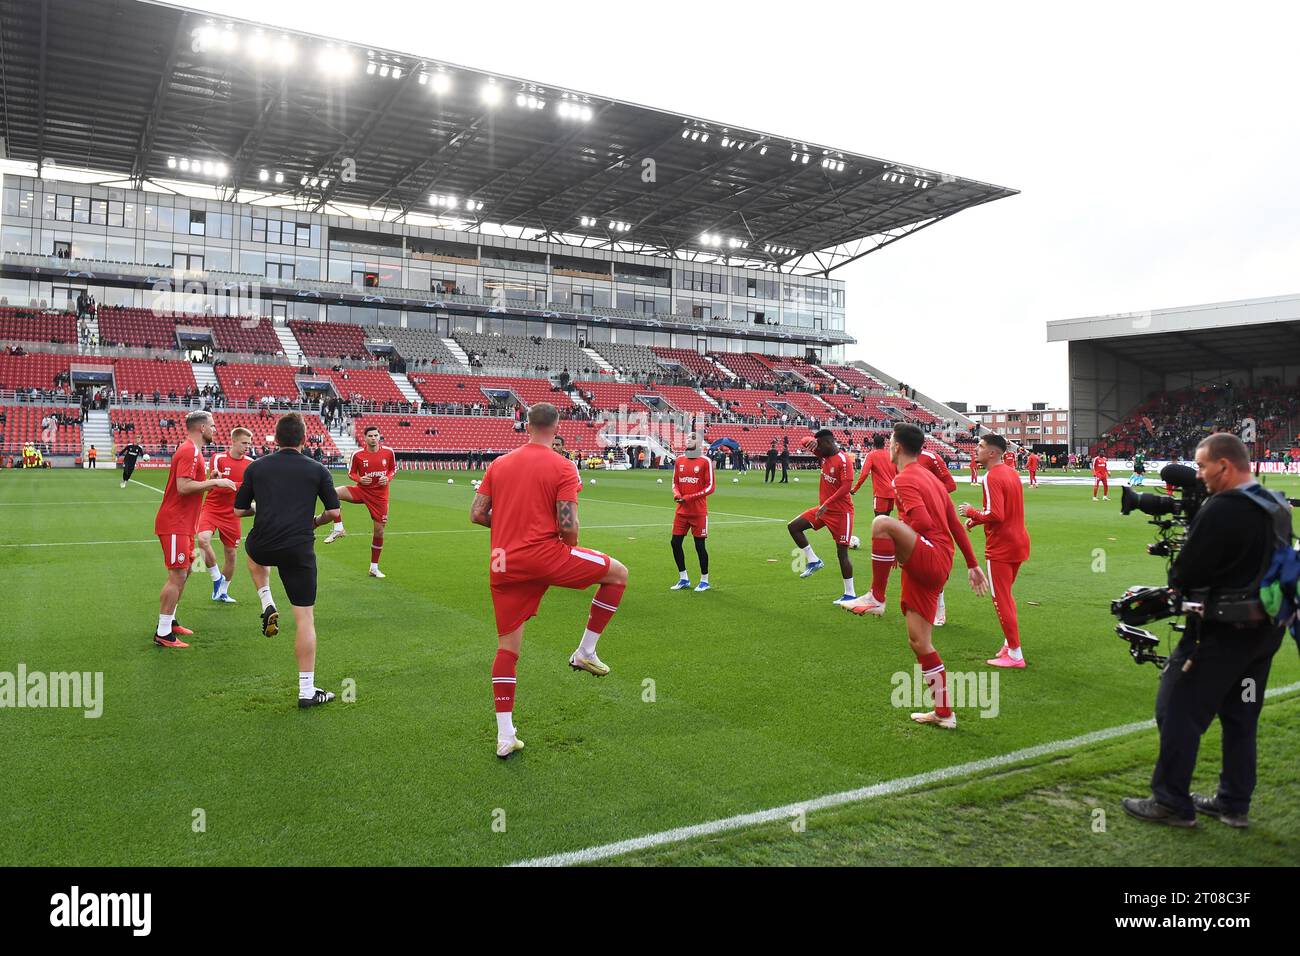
1217 669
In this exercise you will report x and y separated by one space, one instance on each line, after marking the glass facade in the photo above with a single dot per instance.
267 246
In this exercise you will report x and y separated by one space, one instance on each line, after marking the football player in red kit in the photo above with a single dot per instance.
692 485
881 470
1009 459
1101 477
835 511
218 514
373 468
1006 542
925 541
529 500
974 471
1033 464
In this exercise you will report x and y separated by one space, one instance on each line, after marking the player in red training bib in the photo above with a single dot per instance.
835 511
881 471
974 471
925 540
1006 542
692 485
529 499
218 514
1101 477
1033 462
372 468
178 520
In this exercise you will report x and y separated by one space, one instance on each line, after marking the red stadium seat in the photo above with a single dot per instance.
23 424
27 325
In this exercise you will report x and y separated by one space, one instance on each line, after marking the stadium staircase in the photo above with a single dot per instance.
204 375
457 351
96 431
598 359
289 343
579 401
708 398
406 388
93 325
726 372
346 441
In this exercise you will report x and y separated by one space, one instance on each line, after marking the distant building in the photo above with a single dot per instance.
1038 425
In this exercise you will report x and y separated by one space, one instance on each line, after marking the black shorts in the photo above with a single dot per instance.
297 567
128 468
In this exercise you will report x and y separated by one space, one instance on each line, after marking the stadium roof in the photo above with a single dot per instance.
129 86
1247 333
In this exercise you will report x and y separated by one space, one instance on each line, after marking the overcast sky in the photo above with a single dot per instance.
1155 145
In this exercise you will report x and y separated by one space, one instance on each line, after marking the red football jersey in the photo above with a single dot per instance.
939 468
1033 462
837 483
1009 459
524 486
693 483
1003 516
223 466
881 471
178 513
1100 466
374 464
927 509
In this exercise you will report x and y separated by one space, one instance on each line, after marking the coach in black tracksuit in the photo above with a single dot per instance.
1217 670
130 455
785 461
770 473
286 487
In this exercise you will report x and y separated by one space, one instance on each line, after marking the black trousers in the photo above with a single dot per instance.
128 468
785 473
1226 680
770 474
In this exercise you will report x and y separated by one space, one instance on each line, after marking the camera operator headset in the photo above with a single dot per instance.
1221 664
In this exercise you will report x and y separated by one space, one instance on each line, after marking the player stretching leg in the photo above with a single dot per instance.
924 541
529 500
218 514
882 473
1101 477
1006 542
178 517
835 511
692 485
936 466
373 468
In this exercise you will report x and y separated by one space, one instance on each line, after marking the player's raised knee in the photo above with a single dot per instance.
617 573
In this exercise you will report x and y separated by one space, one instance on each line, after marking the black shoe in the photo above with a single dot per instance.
1152 811
271 621
1211 807
316 699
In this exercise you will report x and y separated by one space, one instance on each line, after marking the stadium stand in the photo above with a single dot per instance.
468 389
252 383
465 433
38 369
530 354
749 402
249 336
336 340
694 362
22 325
22 423
810 373
748 366
136 328
145 376
160 430
366 385
806 403
420 346
630 358
854 378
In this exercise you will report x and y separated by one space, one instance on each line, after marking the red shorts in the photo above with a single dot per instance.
883 506
520 581
178 550
839 523
694 521
226 525
376 504
924 576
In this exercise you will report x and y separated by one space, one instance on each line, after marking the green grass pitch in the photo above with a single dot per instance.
756 695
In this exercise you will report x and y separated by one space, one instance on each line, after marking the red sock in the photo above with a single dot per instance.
603 606
503 681
935 679
882 559
376 545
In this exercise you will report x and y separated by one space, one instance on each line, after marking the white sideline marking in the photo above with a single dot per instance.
390 534
143 485
885 789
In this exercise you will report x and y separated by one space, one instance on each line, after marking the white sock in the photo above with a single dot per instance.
1015 653
374 565
682 575
165 624
505 726
704 578
306 684
264 595
214 572
848 587
338 526
941 600
810 554
588 645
